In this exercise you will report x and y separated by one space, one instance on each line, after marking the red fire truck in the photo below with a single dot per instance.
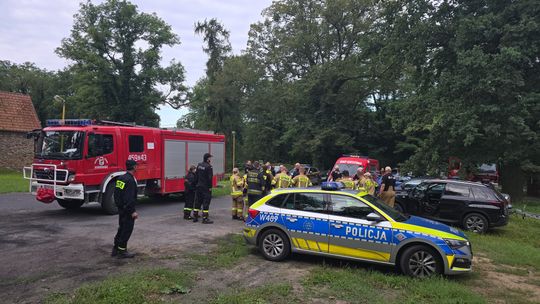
79 159
351 163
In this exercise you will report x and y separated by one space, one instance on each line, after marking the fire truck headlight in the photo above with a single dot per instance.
71 178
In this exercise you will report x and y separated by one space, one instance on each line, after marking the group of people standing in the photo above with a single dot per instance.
363 181
258 180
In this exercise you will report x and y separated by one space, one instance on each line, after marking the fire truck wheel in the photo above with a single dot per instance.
107 202
70 204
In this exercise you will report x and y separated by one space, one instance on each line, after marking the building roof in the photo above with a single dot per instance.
17 113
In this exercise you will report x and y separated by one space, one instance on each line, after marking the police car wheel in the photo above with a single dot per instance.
274 245
420 261
107 201
70 204
475 222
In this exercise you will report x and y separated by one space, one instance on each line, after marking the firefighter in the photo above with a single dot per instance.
245 196
237 184
334 175
360 179
204 176
189 186
255 183
346 180
125 197
359 173
370 184
268 178
301 180
388 184
296 170
282 179
247 166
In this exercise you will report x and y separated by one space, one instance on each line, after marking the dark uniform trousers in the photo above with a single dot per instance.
252 198
190 199
125 228
204 196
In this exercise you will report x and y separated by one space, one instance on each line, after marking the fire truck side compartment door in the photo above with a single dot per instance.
175 165
218 160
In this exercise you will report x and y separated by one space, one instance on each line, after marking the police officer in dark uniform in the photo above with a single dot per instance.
204 176
255 183
189 193
125 197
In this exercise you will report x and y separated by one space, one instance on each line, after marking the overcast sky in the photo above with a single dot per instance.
30 30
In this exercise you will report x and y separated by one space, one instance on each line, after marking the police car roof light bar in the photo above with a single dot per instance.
68 122
331 186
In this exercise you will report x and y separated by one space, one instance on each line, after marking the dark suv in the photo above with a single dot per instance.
473 206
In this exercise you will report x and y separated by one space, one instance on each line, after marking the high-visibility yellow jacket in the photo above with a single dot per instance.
347 182
301 181
282 180
237 185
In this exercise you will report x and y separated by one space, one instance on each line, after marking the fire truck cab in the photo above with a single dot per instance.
80 159
351 163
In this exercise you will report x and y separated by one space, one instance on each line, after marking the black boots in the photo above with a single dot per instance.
205 220
121 254
114 251
124 254
195 216
187 215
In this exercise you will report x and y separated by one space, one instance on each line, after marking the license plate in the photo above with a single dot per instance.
47 186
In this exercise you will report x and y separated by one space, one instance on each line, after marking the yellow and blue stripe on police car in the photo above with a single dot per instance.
310 231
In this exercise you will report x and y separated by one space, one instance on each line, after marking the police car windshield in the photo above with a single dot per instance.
393 213
59 145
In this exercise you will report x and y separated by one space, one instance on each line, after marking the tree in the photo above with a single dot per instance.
473 93
40 84
217 46
116 70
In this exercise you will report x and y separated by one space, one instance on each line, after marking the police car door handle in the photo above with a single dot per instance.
292 219
337 226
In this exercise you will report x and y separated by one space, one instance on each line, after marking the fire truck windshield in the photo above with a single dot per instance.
60 145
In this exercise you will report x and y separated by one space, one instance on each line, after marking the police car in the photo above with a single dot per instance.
351 225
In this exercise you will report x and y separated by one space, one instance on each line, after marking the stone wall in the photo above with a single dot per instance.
16 151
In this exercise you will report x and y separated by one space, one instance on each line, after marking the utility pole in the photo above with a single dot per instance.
233 147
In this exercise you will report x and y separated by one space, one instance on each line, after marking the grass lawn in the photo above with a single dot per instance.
506 270
529 204
12 181
223 188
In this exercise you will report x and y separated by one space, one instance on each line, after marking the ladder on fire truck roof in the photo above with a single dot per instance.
188 130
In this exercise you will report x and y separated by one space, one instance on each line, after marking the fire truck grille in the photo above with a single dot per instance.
49 174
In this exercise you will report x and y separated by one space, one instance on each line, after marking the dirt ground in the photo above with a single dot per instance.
45 249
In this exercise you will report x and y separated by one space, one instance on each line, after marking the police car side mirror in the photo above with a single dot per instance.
374 217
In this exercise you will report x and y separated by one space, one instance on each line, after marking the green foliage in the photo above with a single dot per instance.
116 54
40 84
141 287
12 181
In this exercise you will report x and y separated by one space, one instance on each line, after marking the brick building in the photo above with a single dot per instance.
17 117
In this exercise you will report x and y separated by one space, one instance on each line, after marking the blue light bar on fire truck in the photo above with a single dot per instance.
68 122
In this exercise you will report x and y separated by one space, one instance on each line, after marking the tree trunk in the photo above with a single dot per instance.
512 180
533 185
